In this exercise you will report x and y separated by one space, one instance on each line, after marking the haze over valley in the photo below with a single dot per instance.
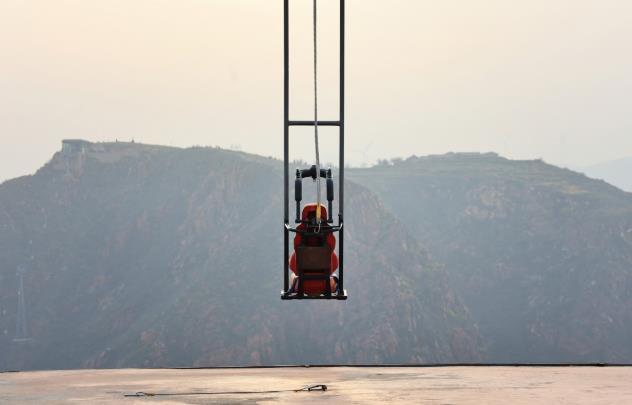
139 255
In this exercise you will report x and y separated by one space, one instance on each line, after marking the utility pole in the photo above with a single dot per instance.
21 330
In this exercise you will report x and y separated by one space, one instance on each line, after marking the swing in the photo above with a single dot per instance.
314 260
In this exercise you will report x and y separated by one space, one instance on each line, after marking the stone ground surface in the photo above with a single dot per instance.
348 385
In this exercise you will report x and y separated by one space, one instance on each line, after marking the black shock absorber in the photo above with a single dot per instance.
330 196
298 194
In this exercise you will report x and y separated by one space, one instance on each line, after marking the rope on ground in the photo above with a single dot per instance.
310 388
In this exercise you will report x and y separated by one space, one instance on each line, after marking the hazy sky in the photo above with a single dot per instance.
527 79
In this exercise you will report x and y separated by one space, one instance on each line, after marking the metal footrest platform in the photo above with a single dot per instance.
296 296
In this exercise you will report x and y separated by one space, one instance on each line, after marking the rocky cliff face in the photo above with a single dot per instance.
541 256
141 255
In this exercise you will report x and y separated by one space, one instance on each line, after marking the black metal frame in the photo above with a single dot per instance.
287 123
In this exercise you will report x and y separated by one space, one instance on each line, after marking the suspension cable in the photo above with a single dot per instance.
318 182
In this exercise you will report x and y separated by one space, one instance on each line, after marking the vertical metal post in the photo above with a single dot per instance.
341 192
286 141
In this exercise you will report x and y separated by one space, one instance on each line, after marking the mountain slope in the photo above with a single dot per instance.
616 172
139 255
541 256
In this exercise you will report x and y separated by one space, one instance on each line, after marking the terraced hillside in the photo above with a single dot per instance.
541 256
140 255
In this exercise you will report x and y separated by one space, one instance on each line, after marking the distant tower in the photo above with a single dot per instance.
21 331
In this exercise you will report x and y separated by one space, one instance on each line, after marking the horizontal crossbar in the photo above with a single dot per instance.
312 123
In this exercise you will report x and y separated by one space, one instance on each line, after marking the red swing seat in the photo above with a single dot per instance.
314 260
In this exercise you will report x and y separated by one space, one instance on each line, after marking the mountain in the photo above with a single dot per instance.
148 256
616 172
140 255
541 256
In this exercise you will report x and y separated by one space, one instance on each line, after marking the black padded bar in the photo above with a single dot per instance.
312 172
